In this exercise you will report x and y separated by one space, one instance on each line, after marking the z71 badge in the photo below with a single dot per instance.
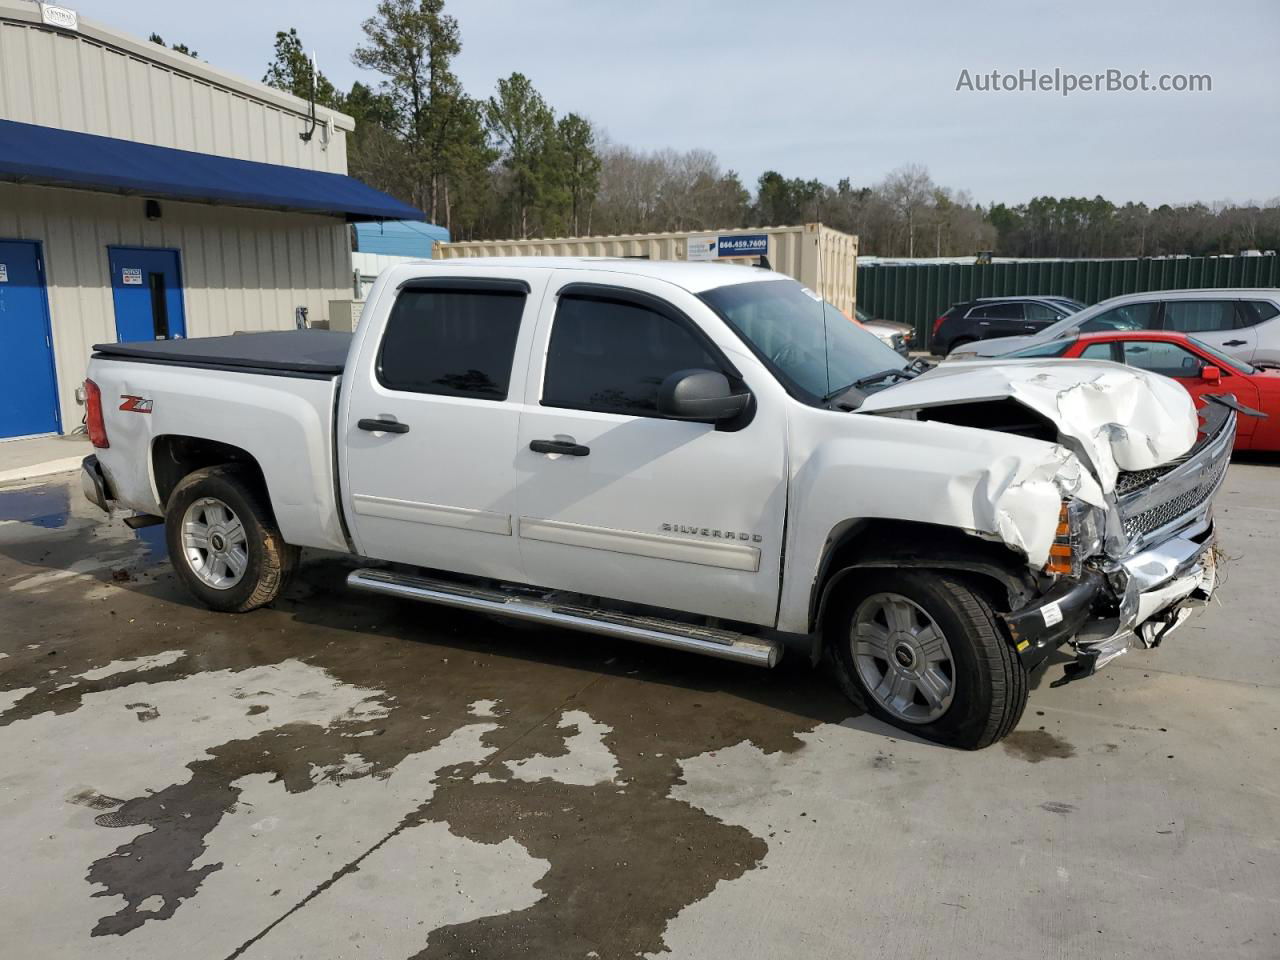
135 404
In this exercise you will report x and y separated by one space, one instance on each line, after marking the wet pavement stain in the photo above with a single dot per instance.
1037 745
42 506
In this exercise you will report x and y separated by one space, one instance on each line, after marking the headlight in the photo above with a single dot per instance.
1078 537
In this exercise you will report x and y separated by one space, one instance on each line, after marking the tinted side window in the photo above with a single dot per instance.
1168 359
1096 351
1042 311
451 342
1193 316
1259 311
998 311
1132 316
612 357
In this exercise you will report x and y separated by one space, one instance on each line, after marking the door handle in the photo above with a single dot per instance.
1234 343
383 426
567 447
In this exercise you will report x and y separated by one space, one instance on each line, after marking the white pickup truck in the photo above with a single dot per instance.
698 456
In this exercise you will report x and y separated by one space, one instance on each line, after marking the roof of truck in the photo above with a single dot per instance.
692 276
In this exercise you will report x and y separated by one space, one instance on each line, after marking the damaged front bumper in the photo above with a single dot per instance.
1167 566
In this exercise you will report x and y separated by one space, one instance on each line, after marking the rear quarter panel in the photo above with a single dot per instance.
284 423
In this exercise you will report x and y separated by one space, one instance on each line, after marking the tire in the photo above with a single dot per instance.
960 342
243 562
988 684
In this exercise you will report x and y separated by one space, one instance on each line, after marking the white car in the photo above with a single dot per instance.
1242 323
698 456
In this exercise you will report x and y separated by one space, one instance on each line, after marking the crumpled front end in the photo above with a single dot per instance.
1158 562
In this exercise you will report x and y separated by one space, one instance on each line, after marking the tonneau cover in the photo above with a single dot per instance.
306 352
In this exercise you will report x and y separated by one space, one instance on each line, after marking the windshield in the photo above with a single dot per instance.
1072 306
810 346
1231 363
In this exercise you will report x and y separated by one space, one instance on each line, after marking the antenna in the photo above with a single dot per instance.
306 136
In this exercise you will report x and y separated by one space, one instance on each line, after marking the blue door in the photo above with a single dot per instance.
146 285
28 386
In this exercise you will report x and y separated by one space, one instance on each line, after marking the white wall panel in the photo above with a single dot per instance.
241 269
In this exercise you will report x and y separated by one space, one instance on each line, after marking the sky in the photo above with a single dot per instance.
827 89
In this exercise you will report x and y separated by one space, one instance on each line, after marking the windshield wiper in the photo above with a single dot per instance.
869 379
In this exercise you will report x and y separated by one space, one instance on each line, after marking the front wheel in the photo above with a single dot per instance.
923 651
224 543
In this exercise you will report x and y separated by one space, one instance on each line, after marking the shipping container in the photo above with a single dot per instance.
824 260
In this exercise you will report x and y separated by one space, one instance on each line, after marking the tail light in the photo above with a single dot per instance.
937 324
93 421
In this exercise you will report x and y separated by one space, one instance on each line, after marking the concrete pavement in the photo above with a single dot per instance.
343 776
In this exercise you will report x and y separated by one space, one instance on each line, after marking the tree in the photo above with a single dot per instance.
908 190
291 70
522 123
176 48
580 164
413 44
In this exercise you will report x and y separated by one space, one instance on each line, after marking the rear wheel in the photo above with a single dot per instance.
960 342
224 543
923 651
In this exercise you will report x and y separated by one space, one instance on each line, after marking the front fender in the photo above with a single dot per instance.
996 486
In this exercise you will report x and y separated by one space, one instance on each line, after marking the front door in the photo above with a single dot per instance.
429 424
641 508
28 387
1178 363
146 285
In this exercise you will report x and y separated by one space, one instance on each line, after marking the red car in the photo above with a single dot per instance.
1200 368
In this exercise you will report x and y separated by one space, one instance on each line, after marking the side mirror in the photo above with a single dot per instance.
1210 374
700 395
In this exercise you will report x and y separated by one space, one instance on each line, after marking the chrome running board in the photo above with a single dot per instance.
723 644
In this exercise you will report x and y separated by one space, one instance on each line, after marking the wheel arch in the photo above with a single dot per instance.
997 570
175 456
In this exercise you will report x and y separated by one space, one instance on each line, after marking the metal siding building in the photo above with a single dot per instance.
224 268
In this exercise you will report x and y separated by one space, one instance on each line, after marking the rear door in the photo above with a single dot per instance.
28 388
998 320
146 287
1218 322
430 424
669 513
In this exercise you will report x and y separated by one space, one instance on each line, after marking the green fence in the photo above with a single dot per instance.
918 293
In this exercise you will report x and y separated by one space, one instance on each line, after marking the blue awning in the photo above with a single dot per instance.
63 158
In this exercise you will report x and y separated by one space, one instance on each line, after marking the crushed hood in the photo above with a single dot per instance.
1112 416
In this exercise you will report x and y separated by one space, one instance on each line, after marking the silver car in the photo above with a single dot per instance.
1241 323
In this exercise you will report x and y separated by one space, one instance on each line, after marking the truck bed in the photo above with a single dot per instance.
319 354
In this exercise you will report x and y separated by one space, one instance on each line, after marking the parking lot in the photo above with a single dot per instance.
345 776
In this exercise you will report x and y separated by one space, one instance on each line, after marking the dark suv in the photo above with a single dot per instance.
989 317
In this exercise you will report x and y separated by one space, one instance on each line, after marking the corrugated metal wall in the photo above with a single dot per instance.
112 85
819 257
241 269
918 294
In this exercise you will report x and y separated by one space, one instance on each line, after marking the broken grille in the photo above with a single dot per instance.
1131 480
1153 518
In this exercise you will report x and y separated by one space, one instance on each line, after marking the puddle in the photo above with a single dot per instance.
153 539
45 506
